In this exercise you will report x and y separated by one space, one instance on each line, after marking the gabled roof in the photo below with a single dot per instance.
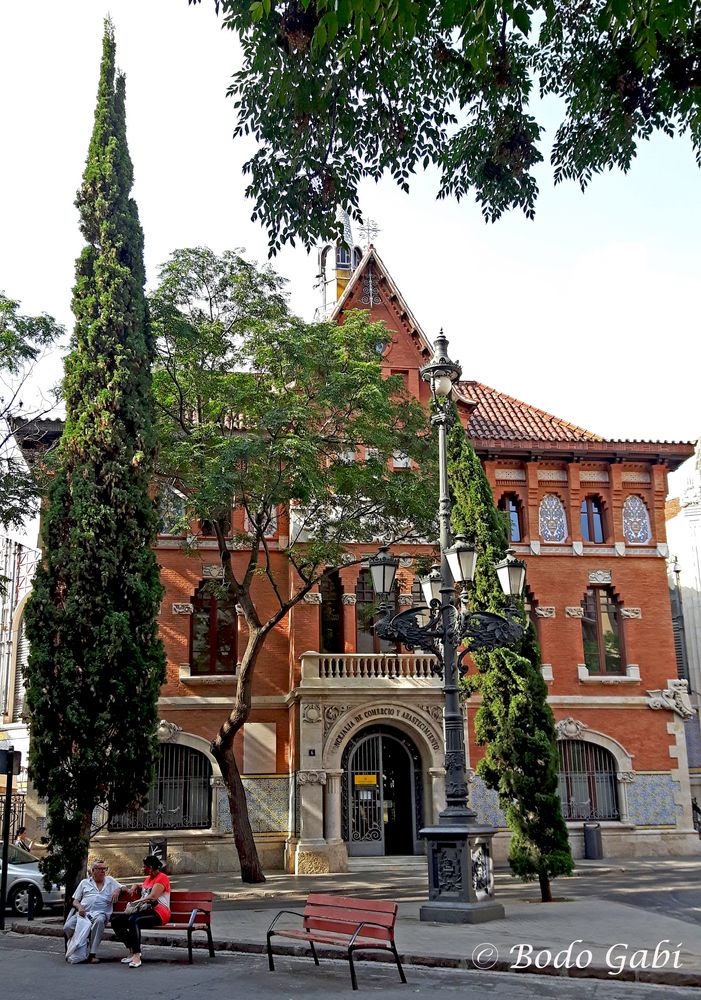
503 418
425 347
371 256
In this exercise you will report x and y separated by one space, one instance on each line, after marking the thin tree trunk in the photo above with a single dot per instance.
251 869
545 889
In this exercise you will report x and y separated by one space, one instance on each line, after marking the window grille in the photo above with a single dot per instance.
180 797
587 782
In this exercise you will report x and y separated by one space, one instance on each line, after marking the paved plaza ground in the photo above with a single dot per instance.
619 924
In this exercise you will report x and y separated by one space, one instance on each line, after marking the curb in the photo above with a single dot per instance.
658 977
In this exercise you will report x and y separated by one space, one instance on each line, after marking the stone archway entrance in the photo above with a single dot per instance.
382 793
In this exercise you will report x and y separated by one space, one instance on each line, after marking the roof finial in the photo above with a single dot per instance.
368 233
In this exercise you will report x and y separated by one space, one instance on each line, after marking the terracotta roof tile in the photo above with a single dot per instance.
501 417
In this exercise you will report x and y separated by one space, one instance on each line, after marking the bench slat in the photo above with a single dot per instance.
352 903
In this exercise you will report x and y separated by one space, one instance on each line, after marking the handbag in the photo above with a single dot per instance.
138 906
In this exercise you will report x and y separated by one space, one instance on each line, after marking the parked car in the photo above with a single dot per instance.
25 881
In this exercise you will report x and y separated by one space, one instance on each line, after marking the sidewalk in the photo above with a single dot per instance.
583 937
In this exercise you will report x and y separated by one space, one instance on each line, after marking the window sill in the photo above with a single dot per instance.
204 680
631 676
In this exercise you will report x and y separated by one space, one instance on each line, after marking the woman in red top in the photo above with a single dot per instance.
155 892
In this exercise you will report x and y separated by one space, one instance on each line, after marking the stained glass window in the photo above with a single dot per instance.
636 521
552 522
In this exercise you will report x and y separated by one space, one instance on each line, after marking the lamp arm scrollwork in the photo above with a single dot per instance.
480 630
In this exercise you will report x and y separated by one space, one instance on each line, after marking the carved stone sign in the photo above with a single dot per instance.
349 599
311 713
570 729
600 576
182 609
545 612
213 571
381 712
167 732
631 613
675 697
313 598
311 777
574 612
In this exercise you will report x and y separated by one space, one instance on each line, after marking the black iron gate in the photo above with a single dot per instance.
382 805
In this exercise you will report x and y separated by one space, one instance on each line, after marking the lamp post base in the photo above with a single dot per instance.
460 874
461 913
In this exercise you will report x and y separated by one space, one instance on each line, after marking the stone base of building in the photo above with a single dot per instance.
187 853
619 841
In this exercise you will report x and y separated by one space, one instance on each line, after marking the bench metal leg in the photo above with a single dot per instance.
354 981
399 964
271 963
316 958
189 945
210 942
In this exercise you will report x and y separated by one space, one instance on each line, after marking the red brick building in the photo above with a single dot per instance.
343 751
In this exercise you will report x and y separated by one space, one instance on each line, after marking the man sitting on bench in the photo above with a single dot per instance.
93 898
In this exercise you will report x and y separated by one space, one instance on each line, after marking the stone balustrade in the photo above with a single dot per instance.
368 668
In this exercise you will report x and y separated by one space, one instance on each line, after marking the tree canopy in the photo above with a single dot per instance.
334 91
279 419
96 663
23 341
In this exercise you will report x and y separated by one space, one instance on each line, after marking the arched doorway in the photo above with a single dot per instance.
382 795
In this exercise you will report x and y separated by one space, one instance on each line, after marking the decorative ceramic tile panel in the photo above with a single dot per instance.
552 524
636 521
268 803
651 800
485 802
693 742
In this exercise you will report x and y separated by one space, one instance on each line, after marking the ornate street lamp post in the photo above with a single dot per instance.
460 871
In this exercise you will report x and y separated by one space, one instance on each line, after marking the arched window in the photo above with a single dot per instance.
357 256
331 638
601 632
636 521
180 797
343 256
552 523
591 520
367 640
587 785
511 506
214 627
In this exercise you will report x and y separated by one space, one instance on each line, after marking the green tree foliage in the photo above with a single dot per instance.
96 664
514 722
264 412
23 342
335 91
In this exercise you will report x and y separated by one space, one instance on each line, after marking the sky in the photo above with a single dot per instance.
590 312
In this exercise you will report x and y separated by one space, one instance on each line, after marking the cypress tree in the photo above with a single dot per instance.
514 722
96 663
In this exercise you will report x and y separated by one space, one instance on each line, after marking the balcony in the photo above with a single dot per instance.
374 670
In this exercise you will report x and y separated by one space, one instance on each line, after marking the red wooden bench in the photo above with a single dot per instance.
342 922
191 911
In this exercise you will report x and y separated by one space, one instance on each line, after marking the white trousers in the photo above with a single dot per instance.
98 928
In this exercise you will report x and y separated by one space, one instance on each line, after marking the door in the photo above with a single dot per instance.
380 796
